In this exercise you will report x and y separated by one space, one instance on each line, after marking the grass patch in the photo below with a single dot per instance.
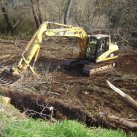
8 114
37 128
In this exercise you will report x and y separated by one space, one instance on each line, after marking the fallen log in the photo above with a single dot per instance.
128 99
118 123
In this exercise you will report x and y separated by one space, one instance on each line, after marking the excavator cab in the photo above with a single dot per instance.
101 54
99 48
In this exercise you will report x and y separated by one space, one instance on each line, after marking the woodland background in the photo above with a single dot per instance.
119 17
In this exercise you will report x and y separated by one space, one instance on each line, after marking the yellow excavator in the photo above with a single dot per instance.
97 52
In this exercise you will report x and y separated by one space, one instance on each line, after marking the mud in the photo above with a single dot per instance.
72 95
127 64
39 107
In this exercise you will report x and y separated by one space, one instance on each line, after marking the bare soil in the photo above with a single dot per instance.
72 95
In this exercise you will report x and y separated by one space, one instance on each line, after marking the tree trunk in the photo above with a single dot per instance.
9 25
67 11
34 14
39 12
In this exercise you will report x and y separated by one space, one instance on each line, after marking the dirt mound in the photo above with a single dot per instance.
127 64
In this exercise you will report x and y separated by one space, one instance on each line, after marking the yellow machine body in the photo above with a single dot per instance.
61 30
87 46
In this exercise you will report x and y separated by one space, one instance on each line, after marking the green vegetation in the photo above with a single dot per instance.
8 113
38 128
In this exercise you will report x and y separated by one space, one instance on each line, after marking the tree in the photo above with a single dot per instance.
10 26
36 12
121 18
67 11
39 12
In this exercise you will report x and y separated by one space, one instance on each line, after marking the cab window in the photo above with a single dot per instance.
91 49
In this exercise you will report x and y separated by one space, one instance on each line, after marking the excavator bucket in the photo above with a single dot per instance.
7 77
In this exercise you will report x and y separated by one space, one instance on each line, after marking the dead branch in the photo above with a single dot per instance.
42 113
16 24
4 56
128 99
13 42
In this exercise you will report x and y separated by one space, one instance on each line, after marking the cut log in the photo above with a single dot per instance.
128 99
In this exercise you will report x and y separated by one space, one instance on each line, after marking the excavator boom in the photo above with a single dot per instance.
92 47
32 49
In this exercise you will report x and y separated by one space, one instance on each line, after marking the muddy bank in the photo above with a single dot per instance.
47 108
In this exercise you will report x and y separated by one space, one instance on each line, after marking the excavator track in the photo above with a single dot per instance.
92 69
6 77
87 68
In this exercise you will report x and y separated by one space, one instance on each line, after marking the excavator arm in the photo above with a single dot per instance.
33 47
31 52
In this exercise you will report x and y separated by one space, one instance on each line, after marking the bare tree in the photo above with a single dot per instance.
10 27
36 12
121 18
39 12
67 11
